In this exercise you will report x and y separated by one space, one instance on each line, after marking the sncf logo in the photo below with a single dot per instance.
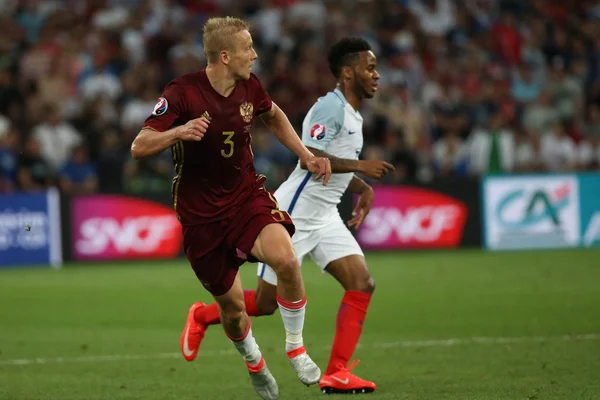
118 227
409 217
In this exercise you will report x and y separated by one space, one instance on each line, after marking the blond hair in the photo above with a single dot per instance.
218 35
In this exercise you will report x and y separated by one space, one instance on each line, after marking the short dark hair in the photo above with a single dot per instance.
345 52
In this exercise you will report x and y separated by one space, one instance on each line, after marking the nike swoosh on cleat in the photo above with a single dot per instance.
186 348
342 381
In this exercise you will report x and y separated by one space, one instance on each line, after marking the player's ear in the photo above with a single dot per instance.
347 72
224 56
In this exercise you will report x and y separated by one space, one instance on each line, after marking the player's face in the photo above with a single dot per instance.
366 76
243 55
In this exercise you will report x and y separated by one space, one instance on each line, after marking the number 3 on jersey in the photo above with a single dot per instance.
229 142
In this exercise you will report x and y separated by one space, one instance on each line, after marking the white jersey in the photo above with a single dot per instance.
334 126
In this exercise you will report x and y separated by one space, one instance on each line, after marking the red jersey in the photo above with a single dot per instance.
215 175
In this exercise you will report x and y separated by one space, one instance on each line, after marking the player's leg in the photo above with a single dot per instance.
266 292
259 302
210 266
352 273
209 314
205 259
218 272
340 255
273 247
237 326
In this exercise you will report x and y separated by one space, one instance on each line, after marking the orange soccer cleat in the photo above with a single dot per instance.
343 382
192 334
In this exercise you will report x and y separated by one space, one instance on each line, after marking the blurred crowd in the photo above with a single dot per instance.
468 87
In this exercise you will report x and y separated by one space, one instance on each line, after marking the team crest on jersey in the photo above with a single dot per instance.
246 110
317 132
161 106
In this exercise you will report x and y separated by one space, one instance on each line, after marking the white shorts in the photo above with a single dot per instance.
324 245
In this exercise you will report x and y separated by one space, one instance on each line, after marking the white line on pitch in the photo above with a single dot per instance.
389 345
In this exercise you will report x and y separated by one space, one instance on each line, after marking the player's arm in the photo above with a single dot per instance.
157 134
372 168
150 141
278 123
363 206
324 124
358 186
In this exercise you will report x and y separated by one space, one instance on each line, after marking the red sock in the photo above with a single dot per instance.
350 318
210 315
250 300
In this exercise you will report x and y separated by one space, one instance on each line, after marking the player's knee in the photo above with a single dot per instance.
286 266
233 312
365 284
233 317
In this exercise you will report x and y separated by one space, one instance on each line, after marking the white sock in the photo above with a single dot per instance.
292 314
248 349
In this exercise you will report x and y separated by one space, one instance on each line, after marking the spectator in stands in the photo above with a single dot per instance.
57 137
589 147
151 175
436 17
9 144
449 114
589 151
558 150
395 104
528 154
525 85
540 117
450 156
492 150
34 173
566 91
78 174
507 38
403 158
111 162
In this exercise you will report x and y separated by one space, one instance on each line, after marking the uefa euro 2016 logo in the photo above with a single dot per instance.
317 132
161 106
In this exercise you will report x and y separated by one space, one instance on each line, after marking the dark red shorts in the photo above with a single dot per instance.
217 249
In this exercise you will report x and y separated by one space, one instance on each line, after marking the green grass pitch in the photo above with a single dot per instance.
442 325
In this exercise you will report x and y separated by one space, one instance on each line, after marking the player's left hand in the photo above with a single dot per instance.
362 208
320 166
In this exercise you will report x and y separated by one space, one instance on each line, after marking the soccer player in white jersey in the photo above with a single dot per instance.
333 129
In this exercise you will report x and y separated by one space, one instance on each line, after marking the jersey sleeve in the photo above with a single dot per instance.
169 107
262 100
323 123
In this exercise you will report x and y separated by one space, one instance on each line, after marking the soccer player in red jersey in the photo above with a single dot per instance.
333 129
227 216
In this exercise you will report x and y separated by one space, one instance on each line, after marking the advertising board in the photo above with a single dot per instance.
589 188
30 231
114 227
412 217
531 212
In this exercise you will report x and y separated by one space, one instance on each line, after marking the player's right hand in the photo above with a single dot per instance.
193 130
320 166
376 169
